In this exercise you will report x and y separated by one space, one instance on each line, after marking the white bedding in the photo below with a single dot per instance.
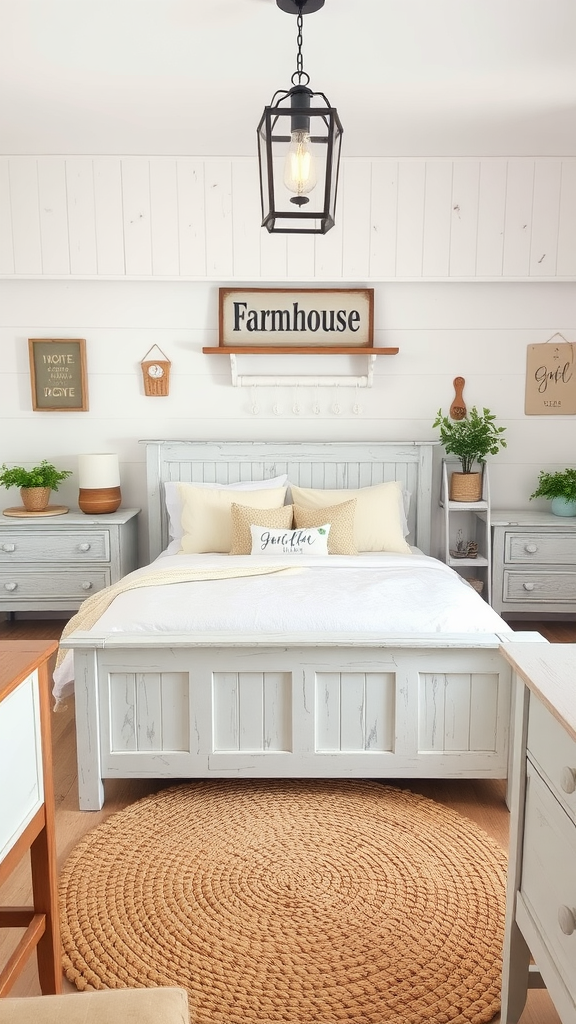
388 593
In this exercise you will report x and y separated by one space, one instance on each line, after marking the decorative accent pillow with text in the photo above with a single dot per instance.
266 541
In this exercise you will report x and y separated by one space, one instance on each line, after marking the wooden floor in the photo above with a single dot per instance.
482 801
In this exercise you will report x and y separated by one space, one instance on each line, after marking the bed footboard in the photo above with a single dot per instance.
404 708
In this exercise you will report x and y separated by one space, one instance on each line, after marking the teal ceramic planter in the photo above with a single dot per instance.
563 507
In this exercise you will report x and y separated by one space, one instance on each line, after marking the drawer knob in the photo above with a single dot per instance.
85 546
568 779
528 586
86 586
566 920
531 548
10 586
8 547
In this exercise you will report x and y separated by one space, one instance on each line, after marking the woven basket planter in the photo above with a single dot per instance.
465 487
35 499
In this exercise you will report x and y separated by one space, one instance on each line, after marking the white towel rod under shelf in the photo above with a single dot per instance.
313 380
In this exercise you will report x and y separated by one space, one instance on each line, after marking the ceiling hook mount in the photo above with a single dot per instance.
300 6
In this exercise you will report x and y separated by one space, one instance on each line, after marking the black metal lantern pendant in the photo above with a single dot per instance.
299 141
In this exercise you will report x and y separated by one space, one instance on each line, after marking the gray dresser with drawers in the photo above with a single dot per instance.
54 563
533 562
540 932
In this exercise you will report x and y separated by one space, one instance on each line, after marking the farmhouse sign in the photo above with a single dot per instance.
551 378
296 317
58 374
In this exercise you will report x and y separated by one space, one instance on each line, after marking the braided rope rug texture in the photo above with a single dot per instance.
291 901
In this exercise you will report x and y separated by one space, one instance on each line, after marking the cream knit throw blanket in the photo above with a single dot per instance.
93 607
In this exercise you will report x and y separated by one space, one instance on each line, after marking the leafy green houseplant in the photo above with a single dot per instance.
560 488
471 440
41 479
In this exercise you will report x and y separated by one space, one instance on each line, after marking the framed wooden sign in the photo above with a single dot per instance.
296 317
58 374
551 378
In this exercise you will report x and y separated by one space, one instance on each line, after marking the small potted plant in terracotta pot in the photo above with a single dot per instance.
560 488
35 484
471 440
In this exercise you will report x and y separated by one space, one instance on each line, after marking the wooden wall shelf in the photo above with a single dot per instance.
298 350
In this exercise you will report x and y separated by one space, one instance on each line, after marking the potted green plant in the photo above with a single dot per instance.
471 439
560 488
35 484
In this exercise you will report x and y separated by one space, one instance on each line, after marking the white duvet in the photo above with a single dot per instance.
385 593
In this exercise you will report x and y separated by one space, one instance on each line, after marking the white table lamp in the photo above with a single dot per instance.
99 480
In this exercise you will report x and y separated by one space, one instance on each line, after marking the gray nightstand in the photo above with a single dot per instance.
534 562
53 563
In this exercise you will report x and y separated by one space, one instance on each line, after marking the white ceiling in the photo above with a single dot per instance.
409 77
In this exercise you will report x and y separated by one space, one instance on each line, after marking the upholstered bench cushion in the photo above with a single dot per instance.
113 1006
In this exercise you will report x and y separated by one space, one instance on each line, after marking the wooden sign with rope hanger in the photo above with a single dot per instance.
551 378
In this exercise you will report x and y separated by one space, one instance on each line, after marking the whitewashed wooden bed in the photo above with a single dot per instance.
289 705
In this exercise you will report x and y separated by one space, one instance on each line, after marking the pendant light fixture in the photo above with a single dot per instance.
299 141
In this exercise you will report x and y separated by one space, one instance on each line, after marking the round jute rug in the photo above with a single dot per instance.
292 901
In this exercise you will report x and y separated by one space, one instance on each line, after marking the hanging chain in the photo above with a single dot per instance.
300 76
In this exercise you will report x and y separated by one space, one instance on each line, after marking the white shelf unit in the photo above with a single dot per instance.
473 519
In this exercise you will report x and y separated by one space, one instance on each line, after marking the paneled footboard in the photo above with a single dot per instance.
325 707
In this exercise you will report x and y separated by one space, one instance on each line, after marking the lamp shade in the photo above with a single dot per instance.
98 470
99 480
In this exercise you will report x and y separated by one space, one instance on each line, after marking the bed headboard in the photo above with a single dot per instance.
315 464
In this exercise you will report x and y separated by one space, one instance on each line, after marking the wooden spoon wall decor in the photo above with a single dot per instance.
458 408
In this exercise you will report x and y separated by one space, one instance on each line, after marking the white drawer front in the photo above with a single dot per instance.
20 762
77 584
540 548
553 752
49 546
549 874
536 587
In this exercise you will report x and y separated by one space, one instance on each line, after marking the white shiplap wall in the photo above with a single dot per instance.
471 261
476 330
411 219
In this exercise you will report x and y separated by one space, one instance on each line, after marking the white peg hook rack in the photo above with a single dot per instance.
240 380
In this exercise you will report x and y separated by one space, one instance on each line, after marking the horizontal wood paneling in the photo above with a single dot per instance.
476 330
176 218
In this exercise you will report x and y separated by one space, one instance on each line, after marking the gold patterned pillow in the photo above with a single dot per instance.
341 519
244 517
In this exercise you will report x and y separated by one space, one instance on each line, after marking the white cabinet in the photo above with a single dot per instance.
468 522
55 563
541 901
534 558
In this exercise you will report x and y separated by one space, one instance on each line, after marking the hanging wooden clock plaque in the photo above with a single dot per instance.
156 373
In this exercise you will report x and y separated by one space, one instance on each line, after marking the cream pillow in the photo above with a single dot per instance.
173 499
341 519
207 518
243 517
378 520
290 542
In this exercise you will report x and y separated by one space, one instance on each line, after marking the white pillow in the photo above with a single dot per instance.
311 541
207 515
379 517
174 501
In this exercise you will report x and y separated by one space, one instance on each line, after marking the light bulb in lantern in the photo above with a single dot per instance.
300 167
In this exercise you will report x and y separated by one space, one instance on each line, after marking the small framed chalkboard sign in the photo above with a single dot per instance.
58 374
